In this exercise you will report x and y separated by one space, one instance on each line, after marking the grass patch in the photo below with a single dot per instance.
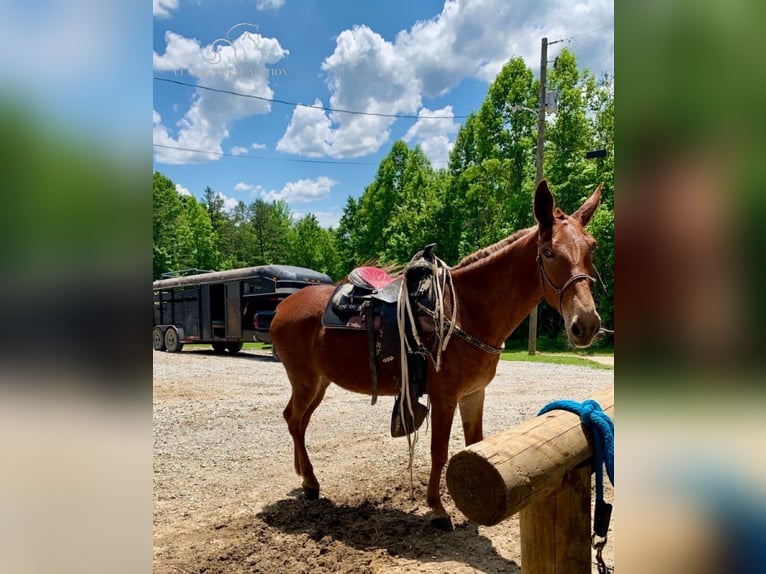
555 358
567 358
252 346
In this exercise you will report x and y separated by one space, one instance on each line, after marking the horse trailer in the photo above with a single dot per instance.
220 307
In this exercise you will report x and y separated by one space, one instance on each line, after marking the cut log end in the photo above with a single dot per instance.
478 490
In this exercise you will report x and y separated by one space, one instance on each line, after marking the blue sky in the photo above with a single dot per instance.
402 58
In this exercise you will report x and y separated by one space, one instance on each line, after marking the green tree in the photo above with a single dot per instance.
602 228
167 218
270 224
313 247
583 122
464 154
397 214
238 250
223 226
199 246
379 200
601 106
411 224
570 135
601 116
492 165
350 236
182 234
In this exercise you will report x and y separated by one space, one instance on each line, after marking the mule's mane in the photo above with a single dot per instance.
495 247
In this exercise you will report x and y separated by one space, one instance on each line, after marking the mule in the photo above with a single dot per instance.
494 288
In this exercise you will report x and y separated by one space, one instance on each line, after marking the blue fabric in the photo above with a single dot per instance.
601 429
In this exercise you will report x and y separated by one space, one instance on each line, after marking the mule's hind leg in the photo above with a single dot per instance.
472 414
304 400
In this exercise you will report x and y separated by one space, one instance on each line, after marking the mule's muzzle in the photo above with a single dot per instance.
583 328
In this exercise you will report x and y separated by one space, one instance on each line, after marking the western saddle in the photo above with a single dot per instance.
400 316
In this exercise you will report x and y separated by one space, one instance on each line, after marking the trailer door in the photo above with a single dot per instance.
204 313
233 310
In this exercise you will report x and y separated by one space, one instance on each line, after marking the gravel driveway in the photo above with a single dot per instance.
226 498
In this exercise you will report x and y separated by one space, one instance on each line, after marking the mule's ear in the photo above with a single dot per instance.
544 204
587 209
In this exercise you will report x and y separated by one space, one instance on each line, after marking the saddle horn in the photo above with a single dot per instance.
426 253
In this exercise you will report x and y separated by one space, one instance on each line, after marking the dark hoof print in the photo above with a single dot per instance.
311 493
443 524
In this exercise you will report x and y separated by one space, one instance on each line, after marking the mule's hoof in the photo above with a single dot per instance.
443 523
311 493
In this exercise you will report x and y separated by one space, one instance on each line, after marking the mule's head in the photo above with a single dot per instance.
564 259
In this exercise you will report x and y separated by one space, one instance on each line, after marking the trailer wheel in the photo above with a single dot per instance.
234 348
219 347
158 339
172 343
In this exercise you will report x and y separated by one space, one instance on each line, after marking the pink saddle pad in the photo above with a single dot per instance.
374 276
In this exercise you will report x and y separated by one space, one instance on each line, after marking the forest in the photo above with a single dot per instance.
483 195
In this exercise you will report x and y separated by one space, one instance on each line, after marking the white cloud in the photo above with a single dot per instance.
328 218
257 145
299 191
475 39
239 150
302 190
309 133
242 186
162 8
269 4
182 190
433 134
364 73
230 63
229 203
472 39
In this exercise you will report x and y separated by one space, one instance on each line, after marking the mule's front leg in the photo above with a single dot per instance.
472 414
441 423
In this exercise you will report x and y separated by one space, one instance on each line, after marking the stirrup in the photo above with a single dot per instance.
397 429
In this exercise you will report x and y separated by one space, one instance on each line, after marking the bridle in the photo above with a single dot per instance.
576 277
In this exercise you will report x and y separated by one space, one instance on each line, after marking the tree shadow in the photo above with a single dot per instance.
369 526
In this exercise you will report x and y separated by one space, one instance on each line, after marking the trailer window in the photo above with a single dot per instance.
258 285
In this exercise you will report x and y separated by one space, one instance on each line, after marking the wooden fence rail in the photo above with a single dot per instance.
542 469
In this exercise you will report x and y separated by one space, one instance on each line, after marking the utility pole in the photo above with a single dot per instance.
540 144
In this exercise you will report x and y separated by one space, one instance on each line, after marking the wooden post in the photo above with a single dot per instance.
498 476
532 343
555 530
541 468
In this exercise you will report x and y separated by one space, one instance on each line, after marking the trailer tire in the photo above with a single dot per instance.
158 339
173 343
234 348
219 347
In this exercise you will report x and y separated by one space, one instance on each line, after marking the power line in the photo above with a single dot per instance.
297 160
324 108
595 30
578 34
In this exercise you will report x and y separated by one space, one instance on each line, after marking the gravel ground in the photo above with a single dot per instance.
226 498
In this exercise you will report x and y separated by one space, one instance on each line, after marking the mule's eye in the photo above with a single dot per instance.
548 253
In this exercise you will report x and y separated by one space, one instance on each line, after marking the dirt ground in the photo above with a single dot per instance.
226 498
